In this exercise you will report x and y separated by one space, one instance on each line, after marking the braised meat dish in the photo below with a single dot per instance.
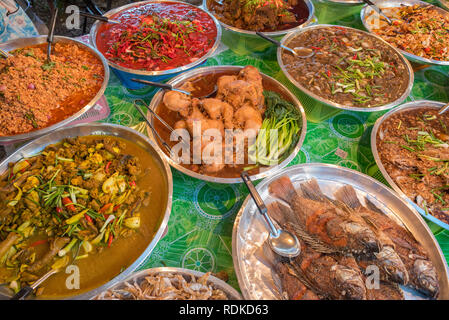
349 67
413 146
260 15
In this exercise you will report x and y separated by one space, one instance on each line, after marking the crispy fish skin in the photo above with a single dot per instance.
422 273
332 276
387 260
386 291
292 286
327 222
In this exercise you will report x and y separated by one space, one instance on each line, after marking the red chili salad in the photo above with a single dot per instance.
157 36
413 146
420 30
349 67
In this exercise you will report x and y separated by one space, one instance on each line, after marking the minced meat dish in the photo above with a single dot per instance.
413 146
349 67
36 93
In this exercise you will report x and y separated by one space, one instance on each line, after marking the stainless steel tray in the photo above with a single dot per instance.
177 81
367 15
249 233
111 130
390 105
407 106
94 31
230 292
25 42
252 34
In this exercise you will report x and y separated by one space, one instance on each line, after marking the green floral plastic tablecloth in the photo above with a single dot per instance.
200 228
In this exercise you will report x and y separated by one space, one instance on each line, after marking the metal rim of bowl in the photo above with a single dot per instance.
165 168
15 43
444 3
343 2
390 105
94 31
205 70
236 258
418 104
218 283
309 21
410 56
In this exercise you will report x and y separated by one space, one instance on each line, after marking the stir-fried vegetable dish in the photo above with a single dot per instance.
349 67
420 30
72 200
414 149
260 15
157 36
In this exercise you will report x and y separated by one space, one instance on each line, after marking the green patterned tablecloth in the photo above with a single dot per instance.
201 222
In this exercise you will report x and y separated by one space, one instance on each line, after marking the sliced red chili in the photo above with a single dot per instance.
132 183
116 208
88 218
106 169
111 237
68 203
38 243
105 208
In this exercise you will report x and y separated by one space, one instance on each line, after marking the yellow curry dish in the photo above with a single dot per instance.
85 201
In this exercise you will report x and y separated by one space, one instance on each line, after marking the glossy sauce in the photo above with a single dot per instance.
108 34
99 268
204 85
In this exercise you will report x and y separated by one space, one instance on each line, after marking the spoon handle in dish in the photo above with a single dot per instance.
94 16
260 34
154 84
23 293
259 202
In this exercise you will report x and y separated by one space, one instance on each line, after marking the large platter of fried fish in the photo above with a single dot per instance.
359 240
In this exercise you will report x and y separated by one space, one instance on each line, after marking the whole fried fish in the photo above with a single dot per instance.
331 276
422 273
322 219
387 259
386 291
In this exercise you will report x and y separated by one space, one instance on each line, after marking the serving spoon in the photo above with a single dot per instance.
5 53
51 32
444 109
100 18
281 241
26 291
378 10
300 52
167 86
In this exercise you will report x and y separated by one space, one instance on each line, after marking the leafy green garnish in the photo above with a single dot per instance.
48 66
284 118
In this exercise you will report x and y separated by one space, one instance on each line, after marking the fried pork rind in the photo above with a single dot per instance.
165 286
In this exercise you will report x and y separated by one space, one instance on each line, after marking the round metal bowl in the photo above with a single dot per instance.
253 270
344 2
280 33
176 82
107 130
407 106
392 104
230 292
367 15
126 74
25 42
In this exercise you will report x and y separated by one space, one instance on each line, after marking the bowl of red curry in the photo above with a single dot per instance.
38 96
156 40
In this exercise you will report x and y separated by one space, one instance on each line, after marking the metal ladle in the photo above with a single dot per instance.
5 53
300 52
444 109
377 9
100 18
167 86
26 291
281 242
51 32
